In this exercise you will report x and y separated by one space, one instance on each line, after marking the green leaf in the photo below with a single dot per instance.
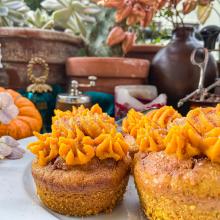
16 5
62 16
3 11
81 25
87 18
77 6
51 5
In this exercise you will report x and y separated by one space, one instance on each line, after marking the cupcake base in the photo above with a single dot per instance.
80 204
164 208
171 189
82 190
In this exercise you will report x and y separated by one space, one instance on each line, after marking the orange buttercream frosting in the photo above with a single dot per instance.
165 129
163 116
132 122
79 135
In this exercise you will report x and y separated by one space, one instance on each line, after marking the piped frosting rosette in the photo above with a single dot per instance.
165 129
78 136
150 129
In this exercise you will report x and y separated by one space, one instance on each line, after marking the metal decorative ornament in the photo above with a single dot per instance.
40 93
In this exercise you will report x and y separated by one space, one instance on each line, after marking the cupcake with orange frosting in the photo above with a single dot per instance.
177 168
82 167
136 124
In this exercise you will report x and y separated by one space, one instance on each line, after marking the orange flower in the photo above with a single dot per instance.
123 13
133 11
189 5
111 3
128 42
116 36
148 18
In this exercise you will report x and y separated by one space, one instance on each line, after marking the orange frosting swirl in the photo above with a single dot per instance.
184 141
92 122
150 139
111 146
78 136
132 122
46 148
196 134
160 118
204 119
212 144
163 116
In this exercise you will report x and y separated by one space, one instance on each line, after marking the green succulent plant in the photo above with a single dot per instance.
12 12
85 19
98 33
39 19
72 15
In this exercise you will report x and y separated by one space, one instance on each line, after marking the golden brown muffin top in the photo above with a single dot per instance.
92 176
78 136
193 177
165 129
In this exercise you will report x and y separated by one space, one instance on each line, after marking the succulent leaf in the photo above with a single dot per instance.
12 12
39 19
3 11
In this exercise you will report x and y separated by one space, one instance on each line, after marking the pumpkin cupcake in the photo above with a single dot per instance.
177 168
82 167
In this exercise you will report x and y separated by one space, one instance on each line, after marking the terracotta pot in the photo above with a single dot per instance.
110 71
144 51
19 45
172 71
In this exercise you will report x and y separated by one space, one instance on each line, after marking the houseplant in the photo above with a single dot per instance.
98 60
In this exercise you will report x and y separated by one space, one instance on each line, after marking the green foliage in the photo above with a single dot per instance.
97 35
33 4
39 19
12 12
86 20
72 15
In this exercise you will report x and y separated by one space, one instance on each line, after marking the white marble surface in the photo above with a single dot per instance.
18 199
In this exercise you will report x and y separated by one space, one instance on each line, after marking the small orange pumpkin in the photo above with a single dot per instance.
27 120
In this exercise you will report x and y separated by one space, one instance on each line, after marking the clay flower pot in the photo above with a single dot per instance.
19 45
144 51
109 70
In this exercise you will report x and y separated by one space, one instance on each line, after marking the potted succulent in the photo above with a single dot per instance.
25 34
98 59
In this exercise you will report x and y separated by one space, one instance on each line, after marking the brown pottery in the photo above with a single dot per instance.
172 71
144 51
19 45
110 71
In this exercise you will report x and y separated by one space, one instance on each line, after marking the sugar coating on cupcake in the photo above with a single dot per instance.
82 166
177 167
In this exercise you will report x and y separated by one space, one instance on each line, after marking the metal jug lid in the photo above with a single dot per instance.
74 96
